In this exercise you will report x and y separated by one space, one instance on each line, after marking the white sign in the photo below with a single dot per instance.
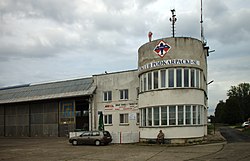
169 62
132 116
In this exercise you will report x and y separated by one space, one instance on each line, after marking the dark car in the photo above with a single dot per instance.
92 137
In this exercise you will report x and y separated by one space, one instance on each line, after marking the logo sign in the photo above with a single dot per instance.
162 48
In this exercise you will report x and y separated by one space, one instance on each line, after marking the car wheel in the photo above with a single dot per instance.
97 142
74 142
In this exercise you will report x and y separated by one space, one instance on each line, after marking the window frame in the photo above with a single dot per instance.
186 78
163 78
188 115
123 118
107 95
179 77
164 114
124 95
156 79
156 116
171 75
107 120
150 87
172 115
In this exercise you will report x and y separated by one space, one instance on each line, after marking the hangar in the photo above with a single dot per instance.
49 109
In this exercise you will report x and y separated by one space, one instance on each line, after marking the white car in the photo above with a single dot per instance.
245 124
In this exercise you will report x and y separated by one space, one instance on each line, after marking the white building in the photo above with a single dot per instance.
167 92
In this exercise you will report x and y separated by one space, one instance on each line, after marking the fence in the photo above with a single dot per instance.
125 137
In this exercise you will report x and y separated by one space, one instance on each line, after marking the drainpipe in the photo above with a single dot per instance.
91 113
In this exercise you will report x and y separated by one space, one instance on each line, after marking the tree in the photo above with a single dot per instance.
236 109
231 111
219 112
101 125
242 94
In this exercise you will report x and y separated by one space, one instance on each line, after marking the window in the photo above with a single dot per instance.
156 116
107 96
164 115
163 78
199 114
188 115
124 94
186 77
156 80
149 81
108 119
88 133
171 78
197 78
67 112
194 115
192 78
180 115
124 118
179 77
149 116
143 117
95 133
137 118
141 85
144 83
172 115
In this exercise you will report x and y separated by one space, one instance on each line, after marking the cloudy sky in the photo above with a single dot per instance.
49 40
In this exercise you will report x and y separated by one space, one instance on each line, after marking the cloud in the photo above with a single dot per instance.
227 24
60 39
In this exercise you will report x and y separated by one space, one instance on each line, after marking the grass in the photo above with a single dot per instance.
246 131
210 128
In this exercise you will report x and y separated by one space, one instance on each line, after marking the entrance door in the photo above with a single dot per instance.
82 115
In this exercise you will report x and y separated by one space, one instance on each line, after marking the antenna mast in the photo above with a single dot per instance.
202 34
173 20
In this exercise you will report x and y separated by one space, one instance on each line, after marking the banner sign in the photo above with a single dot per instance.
169 62
129 106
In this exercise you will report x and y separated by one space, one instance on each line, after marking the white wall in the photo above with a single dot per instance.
115 82
171 97
173 132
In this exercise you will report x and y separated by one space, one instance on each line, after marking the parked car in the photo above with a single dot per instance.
92 137
245 124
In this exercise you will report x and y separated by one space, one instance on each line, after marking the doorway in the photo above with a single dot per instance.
82 115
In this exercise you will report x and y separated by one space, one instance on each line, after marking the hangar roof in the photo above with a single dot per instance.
52 90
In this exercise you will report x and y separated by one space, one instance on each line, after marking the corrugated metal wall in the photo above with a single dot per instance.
33 119
16 120
1 120
44 119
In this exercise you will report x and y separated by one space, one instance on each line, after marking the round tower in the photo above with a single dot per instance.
173 89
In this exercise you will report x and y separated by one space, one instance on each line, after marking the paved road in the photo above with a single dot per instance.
58 149
236 149
233 135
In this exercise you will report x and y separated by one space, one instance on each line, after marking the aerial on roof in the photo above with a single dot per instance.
62 89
